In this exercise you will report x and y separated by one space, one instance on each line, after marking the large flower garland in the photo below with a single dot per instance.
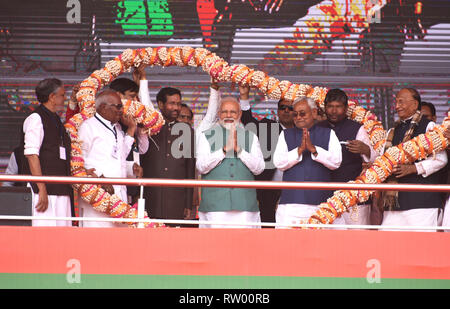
152 120
415 149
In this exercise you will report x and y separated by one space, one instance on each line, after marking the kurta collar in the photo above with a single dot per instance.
407 120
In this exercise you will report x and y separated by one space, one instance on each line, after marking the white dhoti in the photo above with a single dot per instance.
233 216
58 206
289 214
413 217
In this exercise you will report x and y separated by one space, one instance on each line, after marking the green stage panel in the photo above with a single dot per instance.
89 281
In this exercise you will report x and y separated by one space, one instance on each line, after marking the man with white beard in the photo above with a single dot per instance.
229 152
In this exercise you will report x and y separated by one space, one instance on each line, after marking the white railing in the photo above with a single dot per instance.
226 184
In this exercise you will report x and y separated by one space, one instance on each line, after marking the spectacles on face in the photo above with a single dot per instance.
284 107
301 114
401 101
117 106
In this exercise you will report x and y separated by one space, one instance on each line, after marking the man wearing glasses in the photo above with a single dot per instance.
306 152
267 131
412 208
105 149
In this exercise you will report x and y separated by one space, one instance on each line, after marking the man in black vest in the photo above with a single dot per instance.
412 208
356 149
268 132
170 155
47 150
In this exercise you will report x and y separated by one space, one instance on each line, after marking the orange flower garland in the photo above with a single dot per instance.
152 120
415 149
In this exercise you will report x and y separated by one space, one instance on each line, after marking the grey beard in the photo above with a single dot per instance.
228 126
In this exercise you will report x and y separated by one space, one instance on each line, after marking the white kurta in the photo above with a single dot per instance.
284 159
207 160
99 152
58 205
210 117
11 169
421 216
360 214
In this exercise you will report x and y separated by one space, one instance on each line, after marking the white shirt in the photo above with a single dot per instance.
34 134
363 136
431 164
99 150
284 159
210 117
144 95
11 169
207 160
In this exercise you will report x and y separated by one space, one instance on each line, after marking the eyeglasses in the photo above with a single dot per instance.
403 101
300 114
118 106
284 107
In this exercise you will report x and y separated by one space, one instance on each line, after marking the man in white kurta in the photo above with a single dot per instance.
242 161
415 208
51 94
105 148
287 158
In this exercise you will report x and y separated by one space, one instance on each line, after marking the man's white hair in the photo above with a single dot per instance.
311 103
229 99
104 97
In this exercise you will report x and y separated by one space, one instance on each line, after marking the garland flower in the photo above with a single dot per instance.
415 149
152 120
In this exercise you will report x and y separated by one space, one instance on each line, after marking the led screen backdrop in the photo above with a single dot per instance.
369 48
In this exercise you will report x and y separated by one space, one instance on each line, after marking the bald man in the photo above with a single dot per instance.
105 148
229 152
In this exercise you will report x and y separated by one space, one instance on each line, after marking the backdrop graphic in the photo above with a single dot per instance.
370 48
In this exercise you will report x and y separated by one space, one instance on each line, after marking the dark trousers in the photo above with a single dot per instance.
267 200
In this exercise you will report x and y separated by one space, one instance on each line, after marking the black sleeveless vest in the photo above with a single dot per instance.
415 200
51 165
351 165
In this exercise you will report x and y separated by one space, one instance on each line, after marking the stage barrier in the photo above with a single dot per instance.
191 258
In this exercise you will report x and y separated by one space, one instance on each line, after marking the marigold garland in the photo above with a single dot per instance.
152 120
415 149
